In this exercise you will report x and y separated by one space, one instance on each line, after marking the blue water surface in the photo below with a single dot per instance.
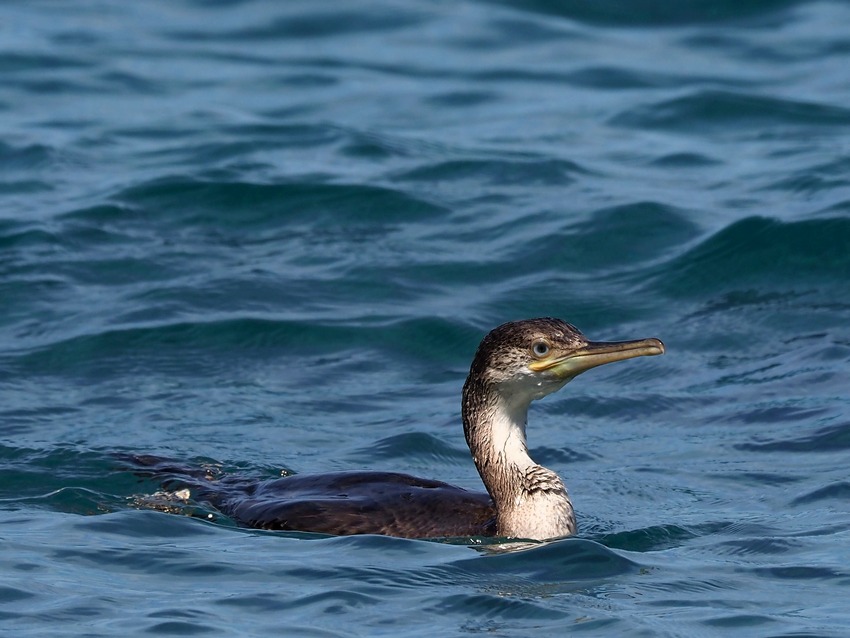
268 236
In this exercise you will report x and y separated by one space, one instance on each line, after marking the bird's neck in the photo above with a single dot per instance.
531 500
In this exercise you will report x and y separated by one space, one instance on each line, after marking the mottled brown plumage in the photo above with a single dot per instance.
515 364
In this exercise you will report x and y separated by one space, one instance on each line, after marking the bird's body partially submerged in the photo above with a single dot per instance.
515 364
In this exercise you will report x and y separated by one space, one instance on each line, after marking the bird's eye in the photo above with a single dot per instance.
540 348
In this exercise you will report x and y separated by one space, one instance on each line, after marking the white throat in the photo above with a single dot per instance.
531 500
507 434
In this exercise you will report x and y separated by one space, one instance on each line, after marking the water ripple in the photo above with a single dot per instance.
723 111
756 249
827 439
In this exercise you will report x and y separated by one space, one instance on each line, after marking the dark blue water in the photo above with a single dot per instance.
270 235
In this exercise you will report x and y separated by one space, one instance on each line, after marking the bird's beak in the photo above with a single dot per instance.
596 353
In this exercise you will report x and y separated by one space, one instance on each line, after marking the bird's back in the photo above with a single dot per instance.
340 503
362 503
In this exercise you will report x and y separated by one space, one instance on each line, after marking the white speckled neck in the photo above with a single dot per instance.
531 501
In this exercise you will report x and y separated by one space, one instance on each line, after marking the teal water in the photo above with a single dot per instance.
270 235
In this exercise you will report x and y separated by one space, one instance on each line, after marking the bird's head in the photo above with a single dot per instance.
531 358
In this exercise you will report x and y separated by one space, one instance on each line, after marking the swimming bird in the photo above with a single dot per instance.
516 363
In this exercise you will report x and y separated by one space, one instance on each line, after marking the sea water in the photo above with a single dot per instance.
268 237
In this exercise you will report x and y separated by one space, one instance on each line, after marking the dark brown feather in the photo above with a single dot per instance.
338 503
363 503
